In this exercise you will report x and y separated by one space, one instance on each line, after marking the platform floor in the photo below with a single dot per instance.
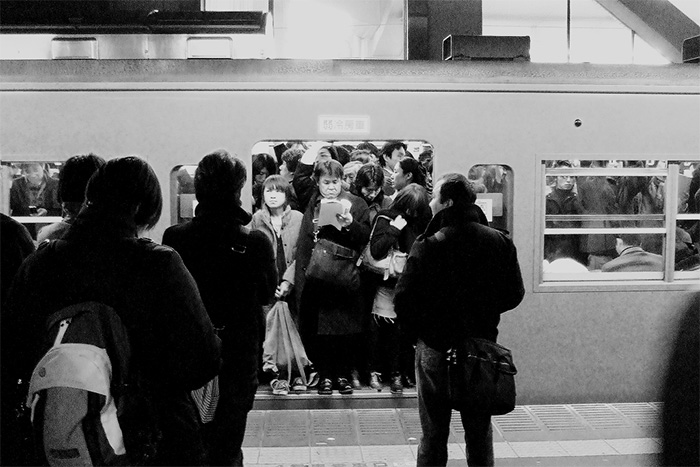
538 435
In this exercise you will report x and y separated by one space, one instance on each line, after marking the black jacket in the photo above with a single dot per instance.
458 286
234 285
172 339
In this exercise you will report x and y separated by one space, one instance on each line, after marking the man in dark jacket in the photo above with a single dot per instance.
236 273
460 276
101 258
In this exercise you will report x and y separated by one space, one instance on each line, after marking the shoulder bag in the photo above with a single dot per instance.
392 265
481 377
334 265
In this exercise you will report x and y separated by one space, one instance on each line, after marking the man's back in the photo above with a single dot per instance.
635 260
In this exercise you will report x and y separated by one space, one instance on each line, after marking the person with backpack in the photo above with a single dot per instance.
236 272
131 292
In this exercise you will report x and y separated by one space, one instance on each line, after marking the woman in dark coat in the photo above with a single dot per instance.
101 258
329 317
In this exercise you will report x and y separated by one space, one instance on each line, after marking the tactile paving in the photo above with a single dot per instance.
332 427
379 427
254 428
288 429
642 414
557 417
516 421
600 416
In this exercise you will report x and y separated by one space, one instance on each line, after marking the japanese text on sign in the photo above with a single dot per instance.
346 124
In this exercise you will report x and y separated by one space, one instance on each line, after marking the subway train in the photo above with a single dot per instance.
578 336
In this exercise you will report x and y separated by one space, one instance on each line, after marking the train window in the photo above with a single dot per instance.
29 193
183 201
607 220
494 186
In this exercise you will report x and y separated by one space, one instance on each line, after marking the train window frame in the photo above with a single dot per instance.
504 204
6 186
668 279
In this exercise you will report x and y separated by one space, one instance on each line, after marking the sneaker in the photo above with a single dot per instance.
396 386
280 387
355 378
298 385
325 387
344 386
375 381
312 378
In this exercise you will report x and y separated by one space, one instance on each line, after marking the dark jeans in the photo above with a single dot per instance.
384 344
224 435
435 413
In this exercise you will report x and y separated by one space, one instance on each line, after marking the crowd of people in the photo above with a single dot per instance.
177 299
615 197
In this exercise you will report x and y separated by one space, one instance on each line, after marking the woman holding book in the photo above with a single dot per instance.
330 316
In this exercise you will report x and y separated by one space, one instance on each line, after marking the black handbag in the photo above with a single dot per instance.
481 377
334 265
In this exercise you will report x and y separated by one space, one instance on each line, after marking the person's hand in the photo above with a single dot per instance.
283 290
399 222
344 219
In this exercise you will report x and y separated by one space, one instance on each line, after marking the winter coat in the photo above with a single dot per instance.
334 313
236 277
172 338
291 224
458 286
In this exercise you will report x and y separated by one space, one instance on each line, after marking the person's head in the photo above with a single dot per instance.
127 187
73 179
276 192
219 179
362 155
326 153
452 189
391 153
328 175
368 146
564 182
350 172
34 172
624 241
408 170
414 203
369 181
290 160
426 160
343 154
264 165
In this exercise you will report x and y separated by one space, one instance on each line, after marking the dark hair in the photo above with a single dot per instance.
362 155
366 145
388 148
332 150
264 161
413 201
369 174
219 179
412 166
343 154
279 183
457 188
331 167
631 239
562 163
291 157
74 176
127 185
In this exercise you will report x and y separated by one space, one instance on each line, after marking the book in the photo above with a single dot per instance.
329 209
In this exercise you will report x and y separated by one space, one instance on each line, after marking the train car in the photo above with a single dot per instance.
578 336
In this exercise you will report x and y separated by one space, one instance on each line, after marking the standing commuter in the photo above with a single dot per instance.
102 259
460 276
391 153
34 194
72 180
236 274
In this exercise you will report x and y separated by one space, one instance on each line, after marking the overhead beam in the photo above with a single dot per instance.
658 22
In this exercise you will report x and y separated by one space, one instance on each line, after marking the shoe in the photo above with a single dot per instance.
280 387
298 385
409 382
325 387
344 386
396 386
355 377
375 381
312 378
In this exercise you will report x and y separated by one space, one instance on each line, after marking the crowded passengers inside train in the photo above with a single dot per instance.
601 220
